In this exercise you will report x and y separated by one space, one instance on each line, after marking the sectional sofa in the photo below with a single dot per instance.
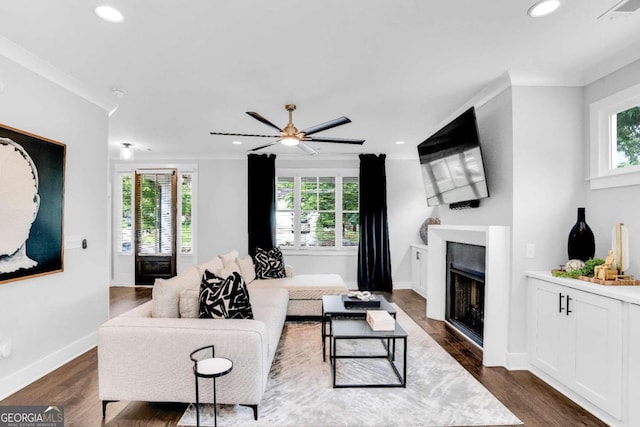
143 355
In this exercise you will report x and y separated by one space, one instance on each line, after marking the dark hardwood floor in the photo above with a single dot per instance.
75 385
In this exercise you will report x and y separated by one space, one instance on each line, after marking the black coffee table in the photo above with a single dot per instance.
333 308
357 329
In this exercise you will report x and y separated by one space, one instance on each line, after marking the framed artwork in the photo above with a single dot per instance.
31 205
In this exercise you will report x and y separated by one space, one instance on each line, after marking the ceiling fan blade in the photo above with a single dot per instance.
244 134
336 140
328 125
264 146
307 149
259 118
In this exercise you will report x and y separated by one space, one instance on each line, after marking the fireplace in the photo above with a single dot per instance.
496 241
464 307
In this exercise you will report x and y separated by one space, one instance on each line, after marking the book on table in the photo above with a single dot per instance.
380 320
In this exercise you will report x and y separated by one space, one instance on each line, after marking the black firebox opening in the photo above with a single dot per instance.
465 289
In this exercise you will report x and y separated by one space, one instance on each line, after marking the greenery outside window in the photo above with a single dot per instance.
125 236
615 140
186 225
318 211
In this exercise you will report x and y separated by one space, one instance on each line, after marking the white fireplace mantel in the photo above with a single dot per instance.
497 241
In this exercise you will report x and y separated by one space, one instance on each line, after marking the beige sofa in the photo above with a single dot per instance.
143 354
144 358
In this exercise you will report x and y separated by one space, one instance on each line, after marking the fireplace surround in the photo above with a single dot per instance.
497 278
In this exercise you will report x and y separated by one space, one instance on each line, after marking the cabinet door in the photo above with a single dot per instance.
634 365
419 270
547 328
594 345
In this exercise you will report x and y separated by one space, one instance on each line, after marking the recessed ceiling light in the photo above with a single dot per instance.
109 14
236 142
399 142
543 8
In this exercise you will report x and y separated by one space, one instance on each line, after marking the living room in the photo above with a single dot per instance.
535 129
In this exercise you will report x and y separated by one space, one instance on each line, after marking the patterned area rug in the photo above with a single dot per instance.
299 393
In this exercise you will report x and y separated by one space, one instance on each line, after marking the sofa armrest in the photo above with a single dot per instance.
147 359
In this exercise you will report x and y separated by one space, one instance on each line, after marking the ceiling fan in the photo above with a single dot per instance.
290 135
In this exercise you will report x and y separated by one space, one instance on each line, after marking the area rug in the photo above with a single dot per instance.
439 392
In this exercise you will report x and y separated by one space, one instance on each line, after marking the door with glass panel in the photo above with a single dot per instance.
155 230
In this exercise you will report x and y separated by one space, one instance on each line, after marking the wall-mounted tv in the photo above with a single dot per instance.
452 166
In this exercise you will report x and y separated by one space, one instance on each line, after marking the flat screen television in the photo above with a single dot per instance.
452 166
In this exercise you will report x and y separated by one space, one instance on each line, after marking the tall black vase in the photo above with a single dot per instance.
581 243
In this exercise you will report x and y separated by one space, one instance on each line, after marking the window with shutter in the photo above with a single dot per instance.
316 211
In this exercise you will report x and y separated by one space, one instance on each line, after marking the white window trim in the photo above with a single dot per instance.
297 174
602 174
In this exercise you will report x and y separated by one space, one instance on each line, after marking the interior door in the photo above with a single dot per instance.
155 237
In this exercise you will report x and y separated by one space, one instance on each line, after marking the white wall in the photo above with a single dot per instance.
606 207
54 318
548 187
406 210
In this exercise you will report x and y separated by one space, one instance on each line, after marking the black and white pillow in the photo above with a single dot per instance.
224 298
269 264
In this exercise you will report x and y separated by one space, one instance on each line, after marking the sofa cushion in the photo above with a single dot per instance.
166 292
189 303
269 264
224 298
247 270
229 257
214 264
305 286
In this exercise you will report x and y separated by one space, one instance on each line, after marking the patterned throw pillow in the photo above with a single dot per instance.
224 298
269 264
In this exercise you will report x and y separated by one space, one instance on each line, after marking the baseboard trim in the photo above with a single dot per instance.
517 361
30 373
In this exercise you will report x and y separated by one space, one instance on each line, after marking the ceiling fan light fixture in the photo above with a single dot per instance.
290 141
543 8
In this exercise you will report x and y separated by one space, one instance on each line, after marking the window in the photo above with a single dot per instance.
125 237
615 140
317 211
625 135
124 197
186 226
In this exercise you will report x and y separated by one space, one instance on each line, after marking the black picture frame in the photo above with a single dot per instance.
45 243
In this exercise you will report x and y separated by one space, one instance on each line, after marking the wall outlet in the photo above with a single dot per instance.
530 250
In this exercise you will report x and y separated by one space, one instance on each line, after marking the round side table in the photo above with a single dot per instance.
211 367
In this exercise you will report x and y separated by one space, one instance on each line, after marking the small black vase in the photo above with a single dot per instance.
581 243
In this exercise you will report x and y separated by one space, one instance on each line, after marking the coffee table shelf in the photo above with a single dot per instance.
357 329
333 308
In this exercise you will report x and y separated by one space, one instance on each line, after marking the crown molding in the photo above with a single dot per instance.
33 63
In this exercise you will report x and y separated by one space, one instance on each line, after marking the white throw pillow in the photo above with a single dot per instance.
214 264
166 292
247 270
230 266
228 257
190 303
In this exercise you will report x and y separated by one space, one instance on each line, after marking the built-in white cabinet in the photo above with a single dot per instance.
419 268
634 365
576 338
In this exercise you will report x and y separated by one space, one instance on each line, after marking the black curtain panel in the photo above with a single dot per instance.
374 259
261 202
